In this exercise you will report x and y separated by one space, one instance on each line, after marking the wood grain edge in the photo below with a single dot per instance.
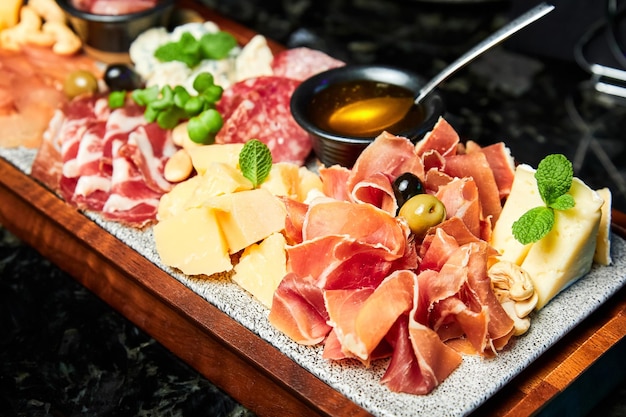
563 364
249 369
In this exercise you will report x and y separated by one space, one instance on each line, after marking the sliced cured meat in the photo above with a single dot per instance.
296 212
106 161
259 108
475 166
334 180
388 154
501 163
436 251
340 262
376 190
31 83
298 310
442 139
363 222
420 359
113 7
302 63
344 306
394 297
30 93
461 198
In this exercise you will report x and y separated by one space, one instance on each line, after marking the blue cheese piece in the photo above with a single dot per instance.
253 60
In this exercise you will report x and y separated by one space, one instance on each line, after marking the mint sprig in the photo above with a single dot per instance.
255 161
554 177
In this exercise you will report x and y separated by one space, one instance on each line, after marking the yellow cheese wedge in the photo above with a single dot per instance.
524 196
566 253
603 244
9 13
261 268
175 201
203 156
192 242
283 179
309 182
218 179
248 216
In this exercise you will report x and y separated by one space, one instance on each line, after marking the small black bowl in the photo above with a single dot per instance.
108 37
332 148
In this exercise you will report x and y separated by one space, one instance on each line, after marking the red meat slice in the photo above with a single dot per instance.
259 108
501 163
110 161
302 63
476 166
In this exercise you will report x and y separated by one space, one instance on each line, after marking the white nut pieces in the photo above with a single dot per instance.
515 291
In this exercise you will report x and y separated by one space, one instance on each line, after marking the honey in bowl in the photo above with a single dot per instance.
365 108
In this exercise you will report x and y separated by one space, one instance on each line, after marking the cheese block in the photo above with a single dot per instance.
203 156
261 268
566 253
248 216
603 243
218 179
309 183
193 242
175 201
523 197
283 179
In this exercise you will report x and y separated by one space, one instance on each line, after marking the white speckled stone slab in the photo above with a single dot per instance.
469 386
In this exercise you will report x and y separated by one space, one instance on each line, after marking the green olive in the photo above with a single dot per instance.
80 82
422 212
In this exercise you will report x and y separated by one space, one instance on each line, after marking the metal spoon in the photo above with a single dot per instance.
504 32
375 114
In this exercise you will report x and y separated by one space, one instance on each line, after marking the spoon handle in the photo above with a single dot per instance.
501 34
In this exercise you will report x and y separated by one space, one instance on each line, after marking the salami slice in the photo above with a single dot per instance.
258 108
302 63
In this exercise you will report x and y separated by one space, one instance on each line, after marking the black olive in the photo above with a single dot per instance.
120 77
406 186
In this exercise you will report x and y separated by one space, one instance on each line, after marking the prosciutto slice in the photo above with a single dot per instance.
109 161
360 283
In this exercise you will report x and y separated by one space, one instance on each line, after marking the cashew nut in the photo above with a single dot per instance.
66 42
49 10
515 291
28 30
42 23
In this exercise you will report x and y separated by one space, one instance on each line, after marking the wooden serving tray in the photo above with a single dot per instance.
251 370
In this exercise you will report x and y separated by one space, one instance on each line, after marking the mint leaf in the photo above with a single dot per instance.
255 161
533 225
186 50
554 177
563 202
217 45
